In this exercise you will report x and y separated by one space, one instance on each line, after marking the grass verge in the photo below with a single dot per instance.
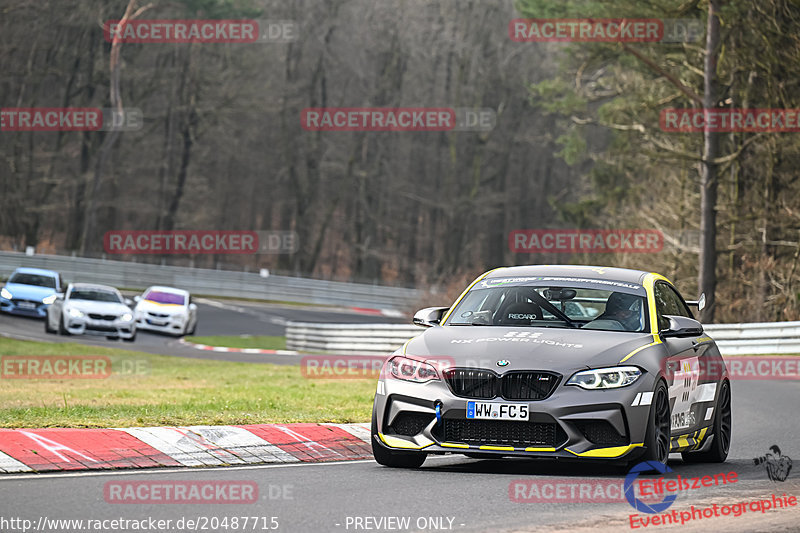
155 390
261 342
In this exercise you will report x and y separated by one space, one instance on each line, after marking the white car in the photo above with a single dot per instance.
89 309
166 310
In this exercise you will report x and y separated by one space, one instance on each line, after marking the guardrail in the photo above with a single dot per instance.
756 338
215 282
383 339
366 339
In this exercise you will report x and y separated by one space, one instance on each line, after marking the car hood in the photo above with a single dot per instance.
168 309
559 350
29 292
108 308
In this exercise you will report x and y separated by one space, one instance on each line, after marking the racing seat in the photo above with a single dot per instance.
519 314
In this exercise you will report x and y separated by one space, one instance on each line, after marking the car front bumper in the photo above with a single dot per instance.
103 328
23 307
571 423
173 325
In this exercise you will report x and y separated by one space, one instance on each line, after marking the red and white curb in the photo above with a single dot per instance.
56 449
239 350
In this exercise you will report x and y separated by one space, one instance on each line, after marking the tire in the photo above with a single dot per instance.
721 445
61 329
391 458
132 339
657 436
47 328
194 328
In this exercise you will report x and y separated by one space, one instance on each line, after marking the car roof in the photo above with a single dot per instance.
163 288
571 271
40 271
95 286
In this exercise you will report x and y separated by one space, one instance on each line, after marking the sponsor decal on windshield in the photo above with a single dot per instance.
496 282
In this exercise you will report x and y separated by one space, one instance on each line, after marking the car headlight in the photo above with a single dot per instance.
5 294
49 299
605 378
411 370
75 313
127 317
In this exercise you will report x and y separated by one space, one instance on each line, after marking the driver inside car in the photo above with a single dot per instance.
625 309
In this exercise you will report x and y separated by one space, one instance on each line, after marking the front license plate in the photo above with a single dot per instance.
27 305
497 411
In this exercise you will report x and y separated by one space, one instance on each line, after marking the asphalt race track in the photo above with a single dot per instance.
215 317
449 493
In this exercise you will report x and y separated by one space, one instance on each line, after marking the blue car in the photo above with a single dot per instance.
30 291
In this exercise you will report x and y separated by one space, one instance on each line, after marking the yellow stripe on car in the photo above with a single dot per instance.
540 449
497 448
453 445
649 284
637 350
615 451
394 442
446 316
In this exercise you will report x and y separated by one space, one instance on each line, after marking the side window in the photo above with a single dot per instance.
665 304
680 306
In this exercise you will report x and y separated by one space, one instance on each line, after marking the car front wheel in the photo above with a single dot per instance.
721 444
62 330
392 458
657 437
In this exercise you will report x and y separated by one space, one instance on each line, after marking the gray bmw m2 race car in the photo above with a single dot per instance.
512 370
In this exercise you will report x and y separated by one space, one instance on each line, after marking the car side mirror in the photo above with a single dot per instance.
681 326
192 307
429 317
59 296
128 302
137 298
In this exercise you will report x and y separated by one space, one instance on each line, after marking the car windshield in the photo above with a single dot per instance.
96 295
619 307
161 297
33 279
